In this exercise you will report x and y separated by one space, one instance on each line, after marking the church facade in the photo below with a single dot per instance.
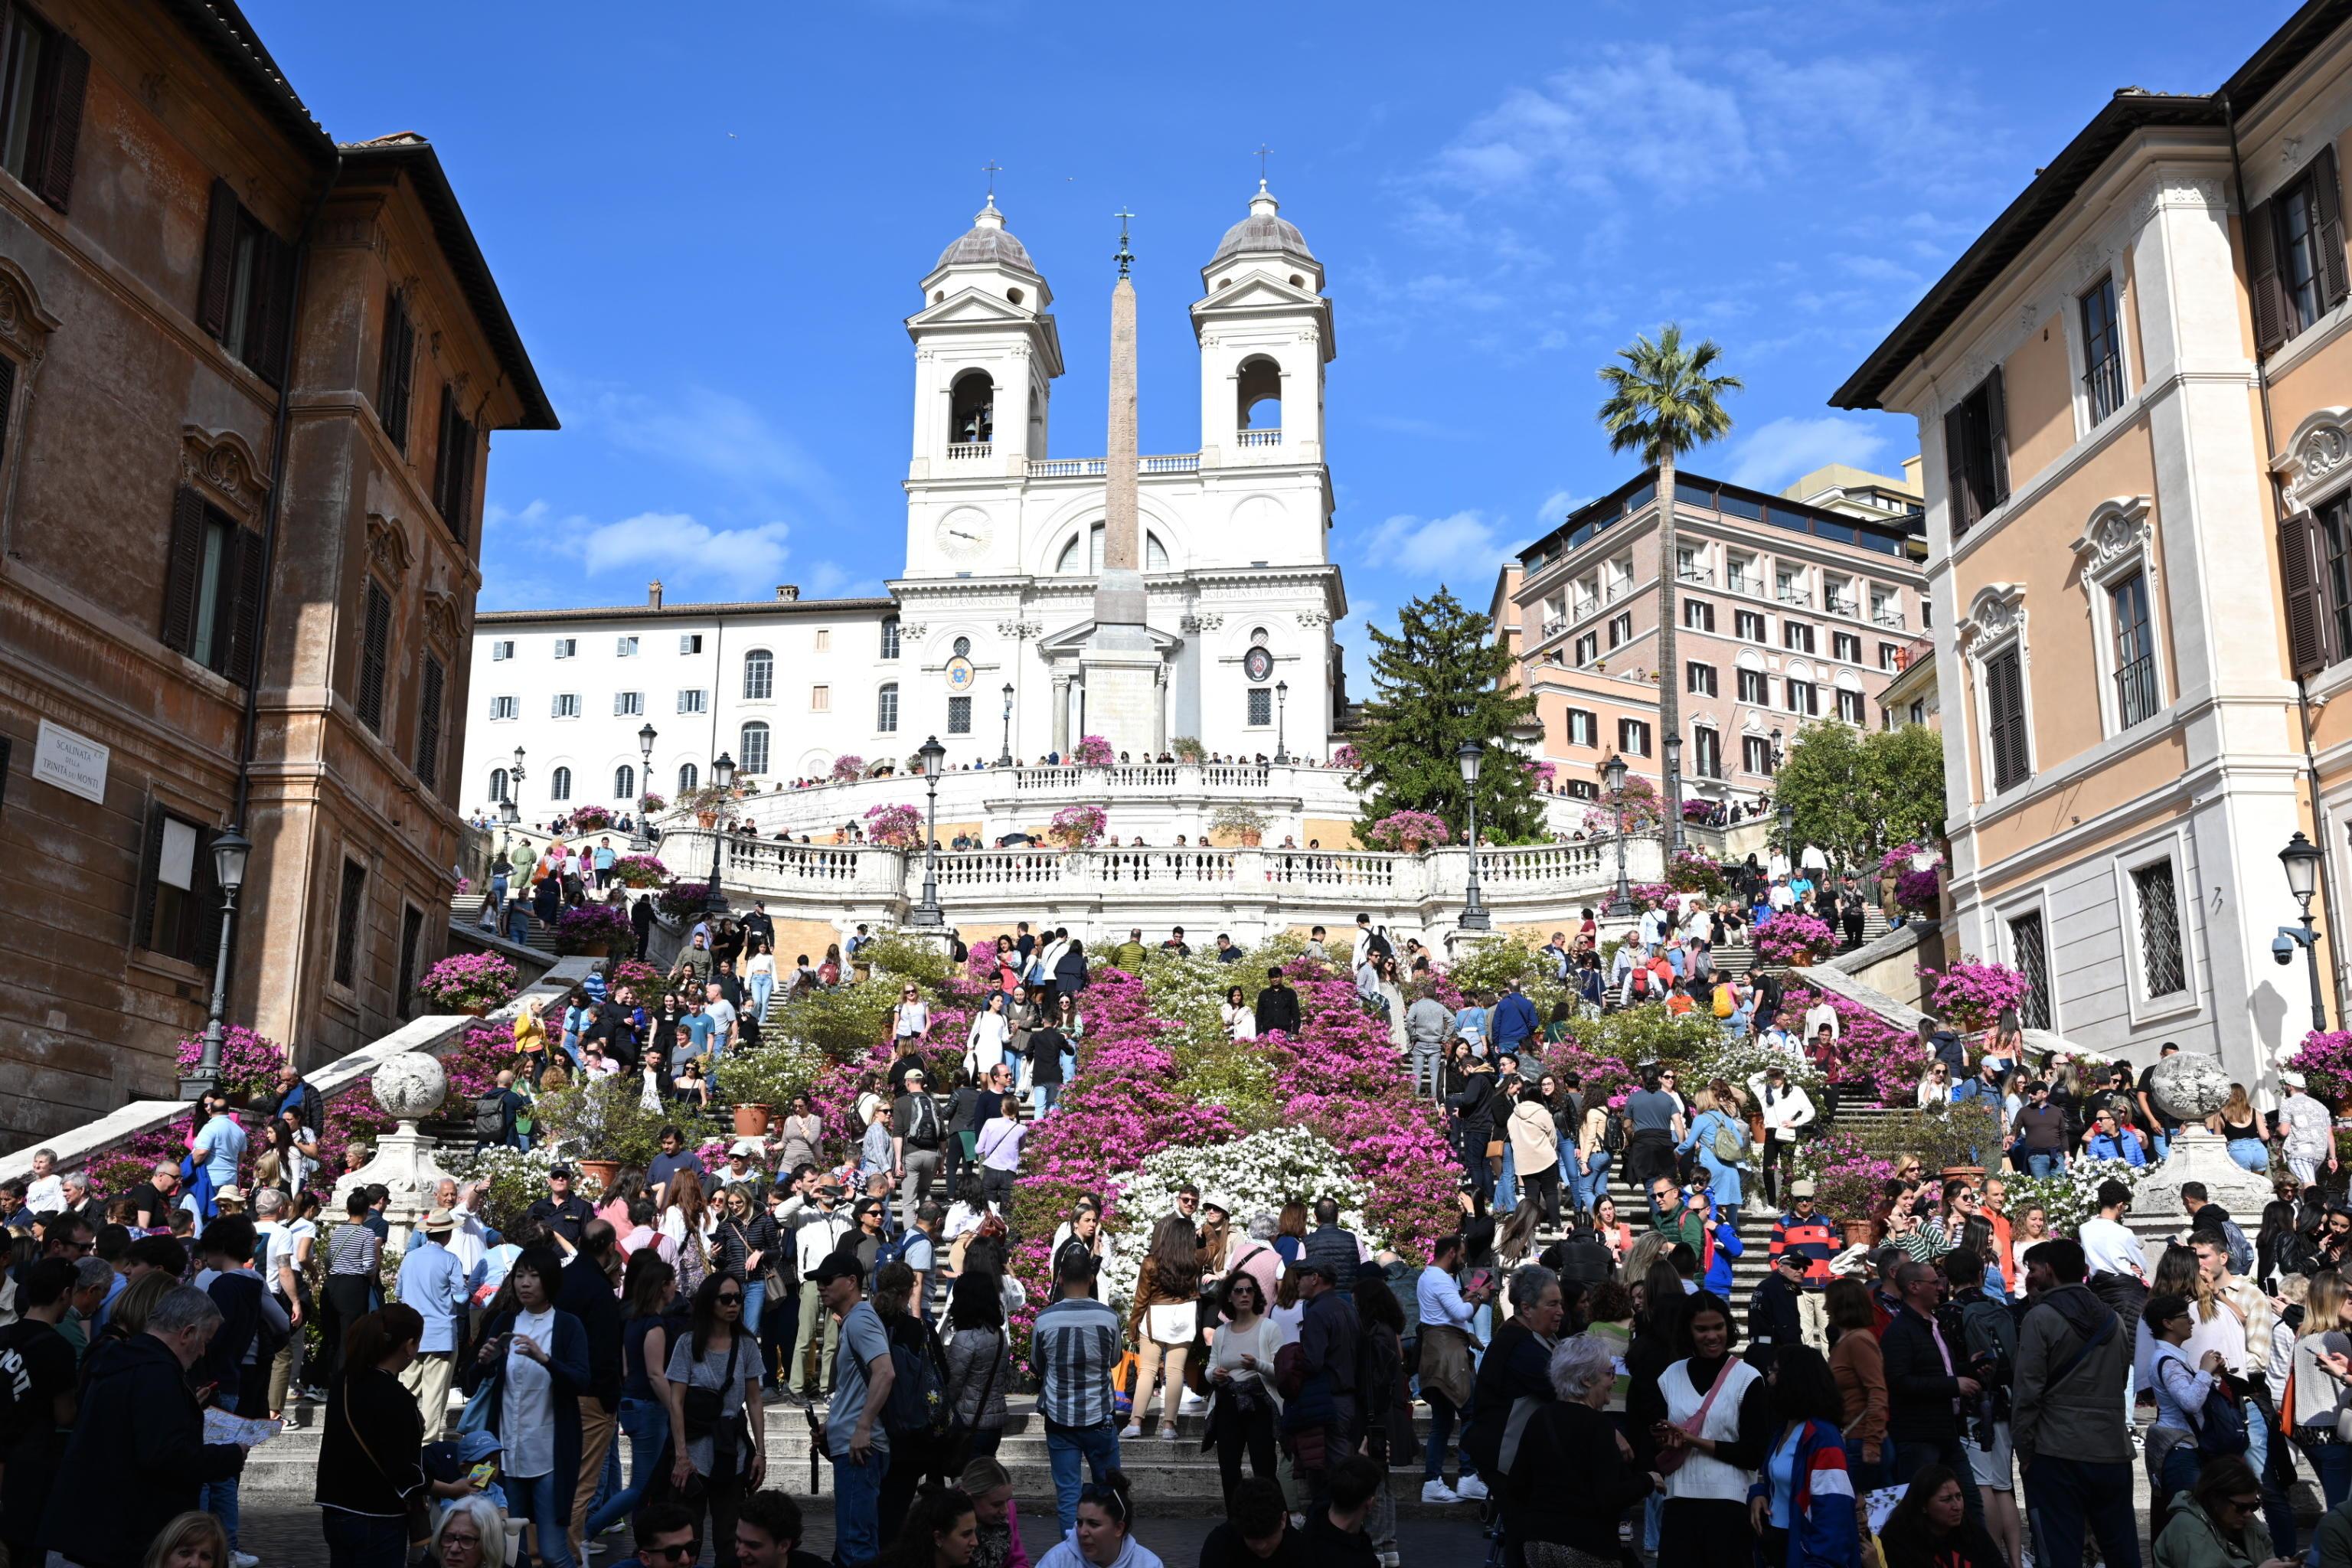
981 639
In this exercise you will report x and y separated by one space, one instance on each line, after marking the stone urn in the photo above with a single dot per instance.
2193 1087
411 1086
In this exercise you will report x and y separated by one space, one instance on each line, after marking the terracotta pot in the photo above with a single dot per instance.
603 1173
470 1012
1860 1232
1251 838
1973 1173
701 818
751 1120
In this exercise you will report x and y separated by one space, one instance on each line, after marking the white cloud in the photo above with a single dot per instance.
672 543
1419 546
1634 115
709 432
1782 449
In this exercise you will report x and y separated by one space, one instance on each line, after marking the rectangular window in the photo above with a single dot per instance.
820 699
1261 706
243 295
1633 735
689 643
2103 349
694 700
374 646
1754 689
2136 698
1797 636
1583 727
1849 707
1699 616
1890 656
2294 254
886 711
1699 677
2162 967
412 934
35 56
890 638
1747 626
958 715
2004 696
2030 952
1621 629
501 650
179 909
348 908
1804 698
1706 753
565 705
395 368
566 647
428 724
502 707
1976 454
625 647
823 639
1588 647
213 587
1582 789
628 704
453 467
1845 646
1756 755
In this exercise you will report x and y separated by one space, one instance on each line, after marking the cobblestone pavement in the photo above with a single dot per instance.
284 1535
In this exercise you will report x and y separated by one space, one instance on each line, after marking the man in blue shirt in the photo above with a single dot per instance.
1515 1019
220 1145
433 1281
2104 1141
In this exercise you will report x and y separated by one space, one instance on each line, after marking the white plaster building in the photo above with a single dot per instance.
1003 545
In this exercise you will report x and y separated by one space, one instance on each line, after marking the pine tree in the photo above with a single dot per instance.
1438 681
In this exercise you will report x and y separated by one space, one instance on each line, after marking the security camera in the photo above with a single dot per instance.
2283 948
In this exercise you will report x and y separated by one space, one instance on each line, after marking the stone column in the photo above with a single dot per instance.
1062 714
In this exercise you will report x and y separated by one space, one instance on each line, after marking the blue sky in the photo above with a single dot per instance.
710 220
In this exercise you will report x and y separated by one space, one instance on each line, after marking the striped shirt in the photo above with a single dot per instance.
1074 1348
353 1250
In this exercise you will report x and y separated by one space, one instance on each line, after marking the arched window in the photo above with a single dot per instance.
624 785
963 647
688 776
889 636
1258 637
559 786
754 749
1155 555
886 709
498 783
759 675
972 417
1260 384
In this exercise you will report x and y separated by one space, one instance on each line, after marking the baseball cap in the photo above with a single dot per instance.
839 1266
563 1171
748 1147
1802 1189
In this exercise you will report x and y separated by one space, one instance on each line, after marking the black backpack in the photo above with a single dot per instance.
491 1114
917 1400
1379 947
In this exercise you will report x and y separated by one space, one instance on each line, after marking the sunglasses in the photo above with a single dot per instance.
687 1552
729 1299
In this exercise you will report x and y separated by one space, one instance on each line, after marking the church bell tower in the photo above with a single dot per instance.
986 353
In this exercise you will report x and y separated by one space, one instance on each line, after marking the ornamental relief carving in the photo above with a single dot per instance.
440 618
224 466
2320 449
1998 609
23 323
2119 530
388 548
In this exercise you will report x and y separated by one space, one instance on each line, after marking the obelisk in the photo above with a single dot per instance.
1120 664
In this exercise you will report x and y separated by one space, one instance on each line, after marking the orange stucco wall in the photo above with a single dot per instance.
2103 790
2040 392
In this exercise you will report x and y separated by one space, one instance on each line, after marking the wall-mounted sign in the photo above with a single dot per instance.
961 677
1258 664
75 763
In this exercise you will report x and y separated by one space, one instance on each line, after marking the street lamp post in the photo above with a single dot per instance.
1674 748
230 850
1005 759
1612 775
2301 859
1282 729
1474 911
510 809
722 774
640 841
926 915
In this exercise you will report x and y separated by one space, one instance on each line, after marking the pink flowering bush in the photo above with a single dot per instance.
592 927
845 769
1077 826
1346 757
589 819
1795 940
1653 892
470 983
1410 832
1972 992
1868 1048
640 871
1849 1177
1688 871
682 899
651 802
1093 752
248 1062
2325 1060
899 827
1634 810
1542 772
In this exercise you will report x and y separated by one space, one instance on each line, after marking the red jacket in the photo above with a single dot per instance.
1815 1239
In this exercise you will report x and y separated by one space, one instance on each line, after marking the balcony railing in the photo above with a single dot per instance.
1845 607
2136 693
1797 596
960 450
1740 583
1084 468
1892 620
1613 592
1262 438
1554 624
1691 573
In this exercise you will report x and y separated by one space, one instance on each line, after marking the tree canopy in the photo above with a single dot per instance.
1437 681
1859 794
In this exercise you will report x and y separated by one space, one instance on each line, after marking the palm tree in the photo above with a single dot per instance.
1663 402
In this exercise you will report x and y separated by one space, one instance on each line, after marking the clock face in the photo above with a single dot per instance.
1258 664
964 535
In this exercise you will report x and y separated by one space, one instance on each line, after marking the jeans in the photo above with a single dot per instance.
755 1295
1065 1446
2064 1497
858 1507
762 986
1507 1185
2041 1164
219 1498
539 1498
1910 1457
1425 1070
1440 1434
1047 1093
363 1540
2333 1461
2251 1154
1594 1181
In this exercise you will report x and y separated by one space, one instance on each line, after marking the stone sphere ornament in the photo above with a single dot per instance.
2191 1088
411 1086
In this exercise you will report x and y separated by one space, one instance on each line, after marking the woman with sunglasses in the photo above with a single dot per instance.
910 1021
1243 1403
747 1247
1105 1537
711 1387
2218 1522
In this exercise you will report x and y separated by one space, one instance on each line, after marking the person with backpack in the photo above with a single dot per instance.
2193 1426
1720 1141
2073 1353
495 1109
916 1413
1983 1331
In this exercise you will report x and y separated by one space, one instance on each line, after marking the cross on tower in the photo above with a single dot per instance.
1126 259
992 169
1262 150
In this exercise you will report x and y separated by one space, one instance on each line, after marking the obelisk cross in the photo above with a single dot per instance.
1125 258
992 169
1262 150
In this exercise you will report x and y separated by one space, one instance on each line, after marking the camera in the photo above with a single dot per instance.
2283 948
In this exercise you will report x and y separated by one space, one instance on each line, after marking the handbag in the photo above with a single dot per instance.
702 1407
1174 1325
476 1415
1669 1460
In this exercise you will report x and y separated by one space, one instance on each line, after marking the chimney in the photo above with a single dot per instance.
653 594
787 592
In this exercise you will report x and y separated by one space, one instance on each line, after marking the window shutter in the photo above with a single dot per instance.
442 451
273 264
394 375
2329 202
428 726
7 395
457 510
2305 591
2262 288
376 635
182 568
204 925
220 260
1997 438
66 67
150 858
246 570
2005 699
1956 466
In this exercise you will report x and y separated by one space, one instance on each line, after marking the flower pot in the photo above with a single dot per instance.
470 1012
603 1173
751 1120
1972 1172
1860 1232
1250 838
701 818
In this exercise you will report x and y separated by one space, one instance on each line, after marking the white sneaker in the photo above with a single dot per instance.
1470 1489
1133 1429
1438 1491
1168 1429
243 1560
1192 1404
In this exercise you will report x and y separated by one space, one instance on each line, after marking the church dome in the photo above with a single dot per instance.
1264 230
988 243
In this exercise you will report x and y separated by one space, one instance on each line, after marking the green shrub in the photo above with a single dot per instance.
908 958
779 1069
844 1023
1493 965
1649 1033
603 1119
1963 1134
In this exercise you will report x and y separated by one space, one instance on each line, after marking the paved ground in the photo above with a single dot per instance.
284 1535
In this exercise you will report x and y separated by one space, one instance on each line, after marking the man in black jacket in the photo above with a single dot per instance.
1922 1392
1327 1332
138 1456
1277 1005
587 1293
1773 1316
1519 1362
